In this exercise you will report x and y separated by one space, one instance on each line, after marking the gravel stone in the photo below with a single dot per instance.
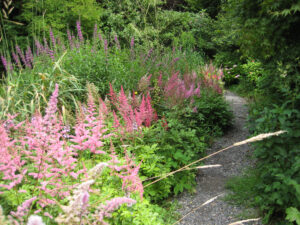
211 181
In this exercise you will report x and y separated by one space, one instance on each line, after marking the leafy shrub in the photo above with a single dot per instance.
213 114
232 74
278 163
253 70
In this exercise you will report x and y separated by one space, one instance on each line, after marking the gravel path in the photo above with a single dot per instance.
211 182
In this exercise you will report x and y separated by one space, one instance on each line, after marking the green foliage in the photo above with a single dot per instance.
143 213
232 74
213 115
243 189
43 15
253 70
278 163
163 151
293 215
212 7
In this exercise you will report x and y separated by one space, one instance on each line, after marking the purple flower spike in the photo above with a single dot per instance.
70 39
105 46
17 60
29 57
149 54
4 62
39 47
95 32
175 60
46 47
21 54
79 32
52 38
117 42
51 54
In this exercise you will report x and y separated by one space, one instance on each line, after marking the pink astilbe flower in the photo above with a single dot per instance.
89 130
23 209
106 209
131 181
50 155
134 114
114 163
176 90
124 106
11 162
116 120
112 95
103 109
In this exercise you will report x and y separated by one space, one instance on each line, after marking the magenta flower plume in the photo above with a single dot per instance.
90 130
29 57
131 181
39 48
105 47
11 162
112 95
95 34
52 38
79 32
148 55
71 43
21 54
116 120
52 105
17 60
117 42
4 62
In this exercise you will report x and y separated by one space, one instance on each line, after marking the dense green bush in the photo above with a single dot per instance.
278 165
